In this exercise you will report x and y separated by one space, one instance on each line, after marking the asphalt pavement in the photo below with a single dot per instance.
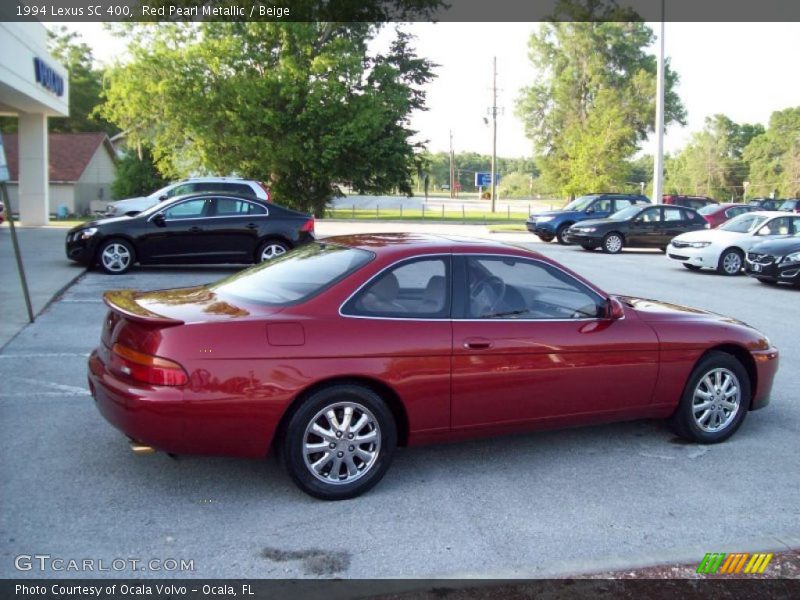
543 504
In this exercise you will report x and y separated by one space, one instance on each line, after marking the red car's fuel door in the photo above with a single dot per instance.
532 342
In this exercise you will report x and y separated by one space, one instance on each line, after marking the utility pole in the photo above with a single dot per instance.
452 167
658 163
494 132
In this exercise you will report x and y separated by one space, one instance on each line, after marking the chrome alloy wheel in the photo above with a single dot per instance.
732 263
341 443
613 243
716 400
270 251
116 257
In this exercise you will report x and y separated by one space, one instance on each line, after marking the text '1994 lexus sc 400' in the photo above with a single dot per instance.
335 353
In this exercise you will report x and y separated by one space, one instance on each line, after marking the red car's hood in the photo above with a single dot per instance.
655 310
180 305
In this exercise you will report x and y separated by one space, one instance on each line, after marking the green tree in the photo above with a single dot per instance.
136 176
304 106
712 163
593 103
773 156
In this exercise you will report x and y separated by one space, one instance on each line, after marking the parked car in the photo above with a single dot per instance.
197 228
695 202
337 352
725 247
651 226
554 224
717 214
766 203
229 185
775 261
791 205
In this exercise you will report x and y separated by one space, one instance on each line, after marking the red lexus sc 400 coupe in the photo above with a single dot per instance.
338 351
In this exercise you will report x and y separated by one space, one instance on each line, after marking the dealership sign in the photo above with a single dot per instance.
47 77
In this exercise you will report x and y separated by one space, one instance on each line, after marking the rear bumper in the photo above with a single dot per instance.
767 362
151 415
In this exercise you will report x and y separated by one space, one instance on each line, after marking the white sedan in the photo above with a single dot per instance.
725 248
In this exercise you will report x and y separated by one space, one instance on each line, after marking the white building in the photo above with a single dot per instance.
33 87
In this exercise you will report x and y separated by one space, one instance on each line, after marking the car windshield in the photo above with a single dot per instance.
581 203
626 213
160 192
743 223
708 209
295 276
788 205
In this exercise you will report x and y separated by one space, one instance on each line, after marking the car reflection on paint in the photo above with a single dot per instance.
337 352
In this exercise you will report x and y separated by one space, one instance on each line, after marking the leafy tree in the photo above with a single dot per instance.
712 163
136 176
304 106
593 103
774 156
85 84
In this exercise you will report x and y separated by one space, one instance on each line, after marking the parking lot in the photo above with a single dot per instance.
543 504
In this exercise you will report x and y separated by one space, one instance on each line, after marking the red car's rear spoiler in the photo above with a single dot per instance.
124 302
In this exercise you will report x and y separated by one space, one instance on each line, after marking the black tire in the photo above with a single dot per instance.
691 267
561 234
313 410
766 281
546 238
683 420
589 247
269 249
728 261
613 243
116 256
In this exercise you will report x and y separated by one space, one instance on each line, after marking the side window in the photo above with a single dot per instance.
232 207
650 215
513 288
781 226
239 188
602 206
191 209
673 214
415 289
180 190
621 203
795 226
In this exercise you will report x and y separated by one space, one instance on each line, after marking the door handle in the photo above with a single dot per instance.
477 344
195 229
252 226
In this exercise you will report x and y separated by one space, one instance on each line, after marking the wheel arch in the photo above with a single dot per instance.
744 357
386 392
116 236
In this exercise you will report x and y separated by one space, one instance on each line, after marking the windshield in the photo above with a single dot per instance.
743 223
163 191
708 209
581 203
295 276
626 213
788 205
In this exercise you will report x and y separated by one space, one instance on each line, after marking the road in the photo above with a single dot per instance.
550 503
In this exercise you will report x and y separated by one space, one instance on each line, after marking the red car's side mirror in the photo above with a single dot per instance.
615 309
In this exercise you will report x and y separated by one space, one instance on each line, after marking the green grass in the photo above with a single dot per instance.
507 228
430 215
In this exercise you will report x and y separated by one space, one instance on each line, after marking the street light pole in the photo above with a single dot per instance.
658 163
494 132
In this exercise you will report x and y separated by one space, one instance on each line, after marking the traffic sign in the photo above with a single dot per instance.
483 179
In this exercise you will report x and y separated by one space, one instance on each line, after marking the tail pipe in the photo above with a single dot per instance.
140 449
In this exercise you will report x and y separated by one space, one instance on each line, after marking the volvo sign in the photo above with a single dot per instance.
47 77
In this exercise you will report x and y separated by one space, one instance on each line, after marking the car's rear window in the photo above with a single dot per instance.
708 209
294 276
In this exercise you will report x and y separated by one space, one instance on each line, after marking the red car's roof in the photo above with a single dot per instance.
401 244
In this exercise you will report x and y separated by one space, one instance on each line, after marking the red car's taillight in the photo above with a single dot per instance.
146 368
308 226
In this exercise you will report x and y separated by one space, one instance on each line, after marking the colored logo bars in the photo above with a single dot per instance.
728 564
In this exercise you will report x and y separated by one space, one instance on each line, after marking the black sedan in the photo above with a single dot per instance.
775 261
636 227
197 228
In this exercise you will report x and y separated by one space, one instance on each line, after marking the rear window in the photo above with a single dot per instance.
708 209
294 276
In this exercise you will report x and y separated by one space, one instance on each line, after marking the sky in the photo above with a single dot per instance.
742 70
